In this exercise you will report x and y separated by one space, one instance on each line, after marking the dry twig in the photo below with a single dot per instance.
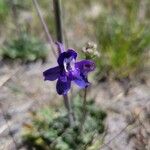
49 38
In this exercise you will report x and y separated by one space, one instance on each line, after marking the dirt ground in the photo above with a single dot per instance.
127 123
128 120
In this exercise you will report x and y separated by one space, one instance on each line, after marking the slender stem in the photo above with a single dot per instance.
84 101
64 28
84 108
49 38
57 10
84 105
72 104
60 39
69 109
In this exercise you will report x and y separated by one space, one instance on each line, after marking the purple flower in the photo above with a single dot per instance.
69 70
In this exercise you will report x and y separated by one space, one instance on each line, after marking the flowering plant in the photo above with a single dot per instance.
69 70
76 128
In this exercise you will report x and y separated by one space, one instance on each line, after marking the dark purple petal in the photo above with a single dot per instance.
51 74
60 47
85 66
61 58
63 87
63 77
69 53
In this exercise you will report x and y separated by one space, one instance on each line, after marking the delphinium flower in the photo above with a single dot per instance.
68 70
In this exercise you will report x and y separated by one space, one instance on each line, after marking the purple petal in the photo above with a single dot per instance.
73 74
60 47
63 77
69 53
81 80
63 87
52 73
85 66
82 83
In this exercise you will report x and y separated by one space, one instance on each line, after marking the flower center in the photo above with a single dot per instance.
69 64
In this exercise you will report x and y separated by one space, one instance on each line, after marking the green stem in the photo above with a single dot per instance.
84 108
69 109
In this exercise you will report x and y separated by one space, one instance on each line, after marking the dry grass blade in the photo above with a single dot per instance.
7 78
5 127
3 81
49 38
8 125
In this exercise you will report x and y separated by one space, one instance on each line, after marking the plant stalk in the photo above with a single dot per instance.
45 27
58 20
84 105
84 108
50 40
69 109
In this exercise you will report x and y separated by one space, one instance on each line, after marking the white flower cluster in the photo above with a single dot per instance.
90 50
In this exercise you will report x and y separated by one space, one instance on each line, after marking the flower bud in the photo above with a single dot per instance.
90 50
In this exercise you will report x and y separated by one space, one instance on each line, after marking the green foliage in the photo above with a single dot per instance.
122 39
50 130
3 10
25 48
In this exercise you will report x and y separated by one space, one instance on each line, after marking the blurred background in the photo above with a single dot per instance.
120 84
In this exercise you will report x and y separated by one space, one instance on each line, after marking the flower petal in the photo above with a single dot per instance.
60 47
63 87
52 73
71 53
63 77
85 66
68 54
73 74
81 83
